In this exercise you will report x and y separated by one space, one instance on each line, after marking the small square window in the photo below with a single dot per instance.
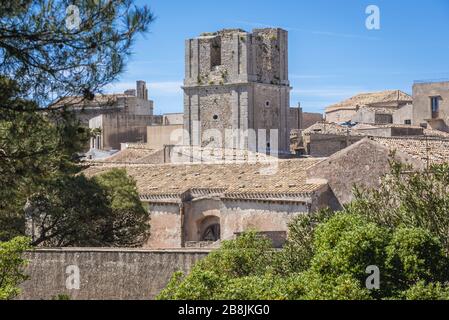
408 122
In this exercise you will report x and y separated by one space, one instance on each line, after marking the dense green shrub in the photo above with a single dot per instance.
401 228
415 255
423 291
11 266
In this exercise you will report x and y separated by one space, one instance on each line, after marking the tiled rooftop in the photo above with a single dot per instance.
435 150
143 154
359 129
284 177
369 99
100 100
130 155
330 128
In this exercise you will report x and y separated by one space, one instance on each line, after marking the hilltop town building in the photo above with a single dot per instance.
202 183
373 108
169 133
325 139
199 204
131 102
116 118
235 80
364 163
431 104
196 205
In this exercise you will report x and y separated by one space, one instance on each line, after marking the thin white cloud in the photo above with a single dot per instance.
316 32
164 88
313 76
337 34
157 62
330 92
256 24
120 87
155 88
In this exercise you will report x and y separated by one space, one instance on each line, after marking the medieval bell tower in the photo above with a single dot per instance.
236 88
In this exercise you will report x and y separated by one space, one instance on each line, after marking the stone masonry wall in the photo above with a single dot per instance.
119 128
166 226
105 274
325 145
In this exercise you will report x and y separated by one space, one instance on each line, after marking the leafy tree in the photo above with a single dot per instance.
78 211
298 251
263 287
311 285
54 49
127 224
409 198
415 255
50 51
427 291
33 150
11 267
249 254
347 244
67 212
411 263
213 277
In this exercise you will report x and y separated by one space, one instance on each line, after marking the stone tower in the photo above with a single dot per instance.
238 81
142 91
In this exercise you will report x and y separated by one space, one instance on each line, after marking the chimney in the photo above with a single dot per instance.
142 91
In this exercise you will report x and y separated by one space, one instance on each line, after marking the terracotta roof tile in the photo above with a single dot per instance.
330 128
435 150
289 177
100 100
129 155
370 99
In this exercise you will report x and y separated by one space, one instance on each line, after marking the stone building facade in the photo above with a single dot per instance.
404 115
300 120
431 105
133 102
325 139
117 118
235 80
373 108
116 128
169 133
197 205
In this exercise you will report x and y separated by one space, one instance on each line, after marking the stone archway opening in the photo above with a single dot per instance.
210 229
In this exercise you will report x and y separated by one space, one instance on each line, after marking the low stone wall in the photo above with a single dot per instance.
104 274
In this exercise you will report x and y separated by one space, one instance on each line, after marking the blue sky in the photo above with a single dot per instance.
332 55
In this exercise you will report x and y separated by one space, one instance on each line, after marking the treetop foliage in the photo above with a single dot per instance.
11 266
57 49
104 211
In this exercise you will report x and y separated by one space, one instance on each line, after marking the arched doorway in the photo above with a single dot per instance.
210 229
